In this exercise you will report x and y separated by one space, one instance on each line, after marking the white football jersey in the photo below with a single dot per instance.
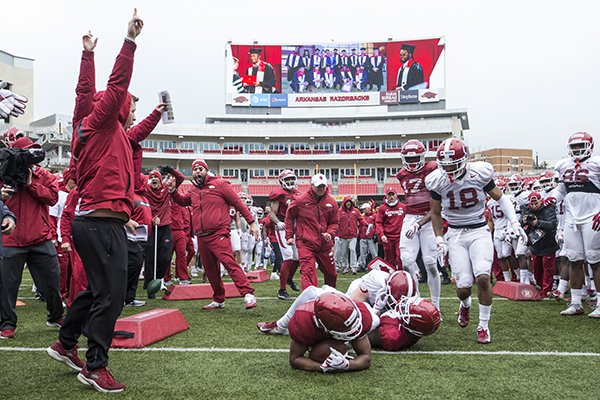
463 201
580 186
498 217
374 283
520 200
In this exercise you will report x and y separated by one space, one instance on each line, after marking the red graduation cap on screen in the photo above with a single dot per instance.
249 80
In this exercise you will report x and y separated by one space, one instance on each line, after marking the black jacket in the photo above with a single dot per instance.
541 236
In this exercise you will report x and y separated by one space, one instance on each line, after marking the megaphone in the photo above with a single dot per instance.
156 285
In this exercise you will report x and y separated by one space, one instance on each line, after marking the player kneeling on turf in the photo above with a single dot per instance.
321 318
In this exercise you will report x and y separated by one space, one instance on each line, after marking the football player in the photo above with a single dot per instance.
280 199
458 189
320 314
417 232
520 198
579 187
247 239
501 245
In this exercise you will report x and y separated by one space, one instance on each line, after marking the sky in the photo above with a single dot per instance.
528 72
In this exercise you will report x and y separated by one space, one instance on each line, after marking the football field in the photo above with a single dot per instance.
535 354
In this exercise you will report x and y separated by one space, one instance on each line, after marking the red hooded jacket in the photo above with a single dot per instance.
136 134
308 217
368 219
389 220
177 217
210 206
160 201
350 220
101 146
31 205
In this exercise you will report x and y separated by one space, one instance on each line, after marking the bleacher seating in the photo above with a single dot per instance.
276 152
367 151
393 150
361 189
149 149
320 151
395 185
303 187
258 151
261 189
232 151
348 151
189 151
301 151
174 151
212 151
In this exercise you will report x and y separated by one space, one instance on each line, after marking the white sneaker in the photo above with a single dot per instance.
595 313
573 310
249 301
194 272
274 276
213 306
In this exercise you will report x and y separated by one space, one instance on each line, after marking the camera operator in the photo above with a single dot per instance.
539 222
31 243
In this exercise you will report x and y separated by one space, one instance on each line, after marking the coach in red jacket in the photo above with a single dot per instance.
211 199
31 242
311 222
388 224
350 222
104 165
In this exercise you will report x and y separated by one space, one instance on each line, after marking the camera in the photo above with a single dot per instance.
15 163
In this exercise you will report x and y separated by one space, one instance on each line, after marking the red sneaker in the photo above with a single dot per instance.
101 380
68 357
483 335
464 316
7 334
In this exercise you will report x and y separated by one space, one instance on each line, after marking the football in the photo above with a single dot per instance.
320 351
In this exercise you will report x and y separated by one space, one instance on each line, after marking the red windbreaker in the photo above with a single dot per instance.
177 222
210 206
308 217
389 220
350 220
368 219
101 146
31 205
136 134
68 215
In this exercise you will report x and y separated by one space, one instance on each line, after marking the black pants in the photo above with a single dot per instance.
102 246
163 254
135 260
42 262
278 257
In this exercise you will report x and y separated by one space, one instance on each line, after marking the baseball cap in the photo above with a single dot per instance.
534 196
390 189
25 143
318 180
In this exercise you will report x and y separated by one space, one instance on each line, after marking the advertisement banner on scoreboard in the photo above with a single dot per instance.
335 74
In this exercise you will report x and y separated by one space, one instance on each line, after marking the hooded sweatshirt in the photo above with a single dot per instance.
350 220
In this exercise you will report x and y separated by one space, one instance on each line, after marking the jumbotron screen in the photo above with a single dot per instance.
335 74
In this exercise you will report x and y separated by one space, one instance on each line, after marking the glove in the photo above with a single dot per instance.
442 249
280 226
509 235
335 362
549 201
560 239
165 169
11 104
380 303
369 228
519 232
412 231
596 222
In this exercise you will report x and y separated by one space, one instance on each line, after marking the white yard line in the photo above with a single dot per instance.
258 350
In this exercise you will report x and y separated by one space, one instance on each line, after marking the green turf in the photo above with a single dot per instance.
523 326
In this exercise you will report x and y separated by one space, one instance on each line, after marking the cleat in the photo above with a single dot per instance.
464 316
136 303
184 282
7 334
556 294
249 301
483 335
595 313
271 328
283 295
67 357
293 286
101 380
573 310
56 324
213 306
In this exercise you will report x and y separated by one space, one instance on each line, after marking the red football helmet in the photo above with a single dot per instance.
547 180
11 135
452 156
413 155
339 316
400 284
246 198
501 184
287 179
419 316
536 186
581 145
260 213
515 184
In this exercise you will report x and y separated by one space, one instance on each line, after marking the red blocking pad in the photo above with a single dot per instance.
516 291
149 327
258 276
198 292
